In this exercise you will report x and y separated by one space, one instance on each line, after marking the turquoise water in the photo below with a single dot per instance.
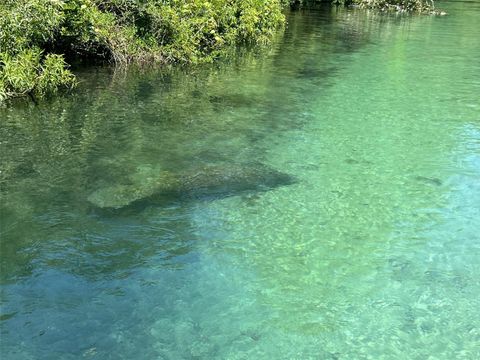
373 253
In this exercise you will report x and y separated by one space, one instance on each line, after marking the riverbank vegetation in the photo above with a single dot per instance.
401 6
419 6
40 39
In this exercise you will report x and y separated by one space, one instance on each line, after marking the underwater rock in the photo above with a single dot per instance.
210 181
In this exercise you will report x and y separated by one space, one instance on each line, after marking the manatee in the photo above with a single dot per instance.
209 181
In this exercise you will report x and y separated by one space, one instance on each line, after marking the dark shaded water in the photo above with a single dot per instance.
373 253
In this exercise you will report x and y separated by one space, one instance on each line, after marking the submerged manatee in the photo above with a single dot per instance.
210 181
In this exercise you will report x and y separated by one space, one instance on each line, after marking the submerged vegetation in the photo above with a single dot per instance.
40 38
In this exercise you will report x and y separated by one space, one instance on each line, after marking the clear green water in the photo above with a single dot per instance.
373 254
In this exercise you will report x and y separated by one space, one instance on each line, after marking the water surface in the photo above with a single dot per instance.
374 252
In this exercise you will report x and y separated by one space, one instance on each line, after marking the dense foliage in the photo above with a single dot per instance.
422 6
36 36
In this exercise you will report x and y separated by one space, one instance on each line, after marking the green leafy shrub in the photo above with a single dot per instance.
24 23
27 26
29 73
